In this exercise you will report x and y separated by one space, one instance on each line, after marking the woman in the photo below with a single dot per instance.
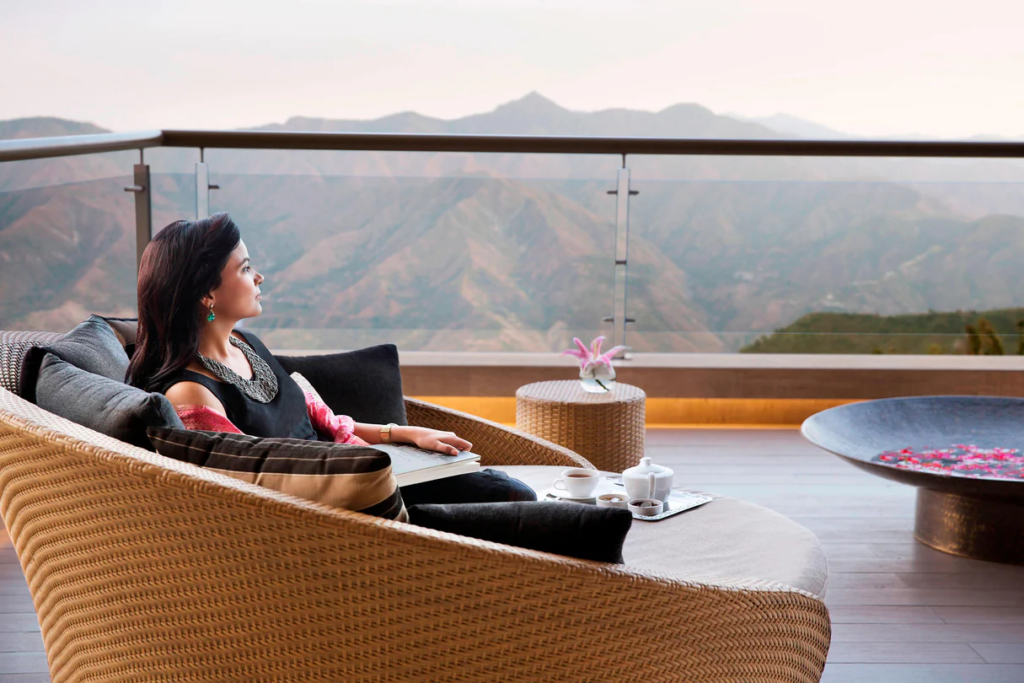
196 282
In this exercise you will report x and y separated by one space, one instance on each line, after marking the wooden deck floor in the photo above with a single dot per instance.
900 611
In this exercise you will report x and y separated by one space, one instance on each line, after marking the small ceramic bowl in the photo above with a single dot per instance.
612 500
648 507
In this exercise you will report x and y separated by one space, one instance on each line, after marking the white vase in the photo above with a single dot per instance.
597 378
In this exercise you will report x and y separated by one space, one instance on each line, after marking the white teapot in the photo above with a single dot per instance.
648 480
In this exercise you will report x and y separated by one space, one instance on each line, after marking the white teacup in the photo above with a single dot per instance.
648 507
578 482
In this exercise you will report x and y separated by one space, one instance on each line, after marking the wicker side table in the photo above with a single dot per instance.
606 429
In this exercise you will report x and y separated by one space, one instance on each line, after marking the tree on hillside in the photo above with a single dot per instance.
982 339
991 344
973 340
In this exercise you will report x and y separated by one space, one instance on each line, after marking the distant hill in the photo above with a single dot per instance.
809 130
795 126
20 175
923 333
45 127
535 114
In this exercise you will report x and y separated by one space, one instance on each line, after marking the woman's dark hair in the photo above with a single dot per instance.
180 266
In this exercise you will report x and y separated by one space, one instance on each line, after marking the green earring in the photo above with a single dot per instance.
211 317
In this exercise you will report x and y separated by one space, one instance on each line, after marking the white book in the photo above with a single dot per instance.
412 465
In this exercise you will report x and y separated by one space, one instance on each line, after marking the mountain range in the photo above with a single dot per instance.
515 252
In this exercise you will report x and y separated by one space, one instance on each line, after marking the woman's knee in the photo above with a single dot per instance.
485 486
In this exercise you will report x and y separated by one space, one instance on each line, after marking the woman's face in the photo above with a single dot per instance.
239 293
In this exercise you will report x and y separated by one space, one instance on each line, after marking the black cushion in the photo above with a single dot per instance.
91 346
107 405
344 476
365 384
572 529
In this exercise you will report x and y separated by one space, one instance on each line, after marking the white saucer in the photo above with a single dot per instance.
564 495
605 485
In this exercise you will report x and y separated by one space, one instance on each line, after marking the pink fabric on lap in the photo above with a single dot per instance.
341 428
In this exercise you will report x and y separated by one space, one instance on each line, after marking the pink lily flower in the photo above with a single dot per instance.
592 356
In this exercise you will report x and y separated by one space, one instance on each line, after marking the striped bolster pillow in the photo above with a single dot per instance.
343 476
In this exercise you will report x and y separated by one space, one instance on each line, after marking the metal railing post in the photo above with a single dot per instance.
143 209
619 317
203 187
202 190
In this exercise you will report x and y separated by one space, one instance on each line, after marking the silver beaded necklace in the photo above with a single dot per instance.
261 387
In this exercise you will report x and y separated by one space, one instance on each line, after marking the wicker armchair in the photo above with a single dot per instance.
142 568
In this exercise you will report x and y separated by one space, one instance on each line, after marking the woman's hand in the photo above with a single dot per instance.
434 440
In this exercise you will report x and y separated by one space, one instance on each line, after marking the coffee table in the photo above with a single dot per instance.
607 429
964 453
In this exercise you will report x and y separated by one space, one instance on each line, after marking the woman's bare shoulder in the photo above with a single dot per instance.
192 393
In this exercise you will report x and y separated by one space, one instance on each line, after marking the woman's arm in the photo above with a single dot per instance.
193 394
427 439
198 408
342 429
337 428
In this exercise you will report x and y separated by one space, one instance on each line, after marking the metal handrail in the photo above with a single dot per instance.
71 145
40 148
560 144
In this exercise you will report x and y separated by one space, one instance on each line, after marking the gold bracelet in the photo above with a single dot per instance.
385 432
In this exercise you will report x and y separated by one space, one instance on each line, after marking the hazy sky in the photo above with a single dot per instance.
868 67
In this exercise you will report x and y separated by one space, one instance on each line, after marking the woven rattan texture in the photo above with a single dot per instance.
606 429
13 346
146 569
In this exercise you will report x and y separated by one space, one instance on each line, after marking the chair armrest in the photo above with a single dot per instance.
13 347
496 443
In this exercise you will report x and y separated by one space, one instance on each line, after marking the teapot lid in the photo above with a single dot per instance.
646 467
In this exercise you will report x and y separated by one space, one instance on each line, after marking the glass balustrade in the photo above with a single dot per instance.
813 255
67 240
433 252
468 252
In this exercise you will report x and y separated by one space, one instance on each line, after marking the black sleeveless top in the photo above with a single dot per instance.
284 417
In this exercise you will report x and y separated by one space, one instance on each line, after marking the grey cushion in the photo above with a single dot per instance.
365 384
107 405
572 529
91 346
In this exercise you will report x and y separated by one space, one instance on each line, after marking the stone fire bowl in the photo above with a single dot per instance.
977 516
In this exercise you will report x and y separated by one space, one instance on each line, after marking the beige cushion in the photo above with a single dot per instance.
724 539
344 476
